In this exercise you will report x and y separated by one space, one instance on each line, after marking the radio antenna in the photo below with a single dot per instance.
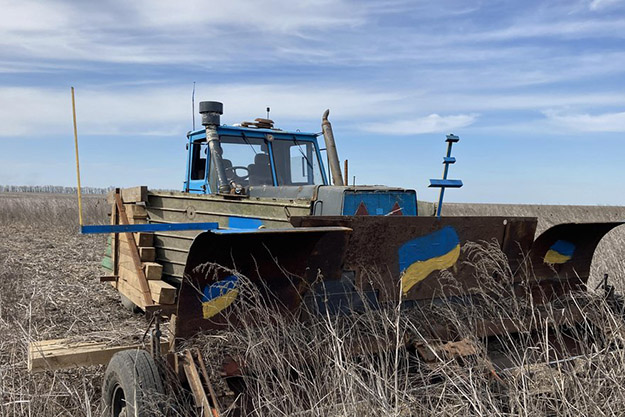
193 105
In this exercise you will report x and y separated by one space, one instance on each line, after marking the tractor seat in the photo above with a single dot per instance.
228 168
260 170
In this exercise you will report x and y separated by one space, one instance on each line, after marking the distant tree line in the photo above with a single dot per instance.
52 189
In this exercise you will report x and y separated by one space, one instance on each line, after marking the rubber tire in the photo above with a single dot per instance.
135 373
129 305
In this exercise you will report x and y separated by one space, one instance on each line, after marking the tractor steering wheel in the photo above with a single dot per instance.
237 176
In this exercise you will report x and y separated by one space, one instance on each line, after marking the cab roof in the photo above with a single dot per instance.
236 130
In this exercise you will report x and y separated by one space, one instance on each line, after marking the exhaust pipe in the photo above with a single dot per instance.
211 112
333 156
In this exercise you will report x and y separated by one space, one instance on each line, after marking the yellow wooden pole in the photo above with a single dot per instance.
77 163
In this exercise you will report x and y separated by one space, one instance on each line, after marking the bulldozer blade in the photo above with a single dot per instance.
405 254
409 253
564 252
281 263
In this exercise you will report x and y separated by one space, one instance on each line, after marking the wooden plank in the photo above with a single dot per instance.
126 262
114 238
152 270
137 211
107 263
62 354
162 292
130 292
134 194
109 278
207 383
145 254
145 289
142 239
195 383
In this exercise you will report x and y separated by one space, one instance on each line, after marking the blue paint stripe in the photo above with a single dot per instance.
435 183
431 246
563 248
150 227
244 223
220 288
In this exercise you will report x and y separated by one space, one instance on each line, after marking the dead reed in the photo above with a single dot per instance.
328 365
50 210
370 363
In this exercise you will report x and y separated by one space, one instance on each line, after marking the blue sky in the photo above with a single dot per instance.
535 90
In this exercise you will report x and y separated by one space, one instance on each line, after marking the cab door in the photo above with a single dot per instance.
197 167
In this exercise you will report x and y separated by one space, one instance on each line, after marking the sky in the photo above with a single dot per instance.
534 89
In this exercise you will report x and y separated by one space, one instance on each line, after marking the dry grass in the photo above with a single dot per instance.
366 364
50 210
49 289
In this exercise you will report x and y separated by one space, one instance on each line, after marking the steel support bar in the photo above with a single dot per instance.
150 227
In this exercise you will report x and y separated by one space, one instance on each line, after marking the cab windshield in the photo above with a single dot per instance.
247 162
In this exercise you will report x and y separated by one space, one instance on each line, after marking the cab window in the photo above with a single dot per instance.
198 164
246 161
296 162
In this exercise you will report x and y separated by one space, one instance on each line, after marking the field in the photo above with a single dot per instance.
49 289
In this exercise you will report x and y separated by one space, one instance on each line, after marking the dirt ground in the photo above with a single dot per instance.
49 289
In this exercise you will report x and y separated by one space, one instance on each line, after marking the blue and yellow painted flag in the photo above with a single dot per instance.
419 257
219 295
560 252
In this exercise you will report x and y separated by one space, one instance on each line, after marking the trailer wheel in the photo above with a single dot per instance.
132 385
129 305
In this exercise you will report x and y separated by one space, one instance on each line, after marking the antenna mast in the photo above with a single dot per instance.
193 105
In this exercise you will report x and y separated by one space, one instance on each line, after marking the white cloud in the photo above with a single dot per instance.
166 110
150 108
163 31
607 122
282 16
432 123
602 4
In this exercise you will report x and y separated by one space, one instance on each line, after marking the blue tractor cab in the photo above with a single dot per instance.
253 157
256 160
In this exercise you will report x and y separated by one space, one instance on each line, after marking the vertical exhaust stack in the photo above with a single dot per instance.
333 156
211 112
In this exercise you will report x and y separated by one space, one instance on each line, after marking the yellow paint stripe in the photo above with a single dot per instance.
553 257
418 271
213 307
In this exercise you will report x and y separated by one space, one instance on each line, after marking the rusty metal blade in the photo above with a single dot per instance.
281 263
390 247
565 251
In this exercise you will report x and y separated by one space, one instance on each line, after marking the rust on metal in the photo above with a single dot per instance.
281 265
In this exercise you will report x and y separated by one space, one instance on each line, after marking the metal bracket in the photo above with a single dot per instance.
446 183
